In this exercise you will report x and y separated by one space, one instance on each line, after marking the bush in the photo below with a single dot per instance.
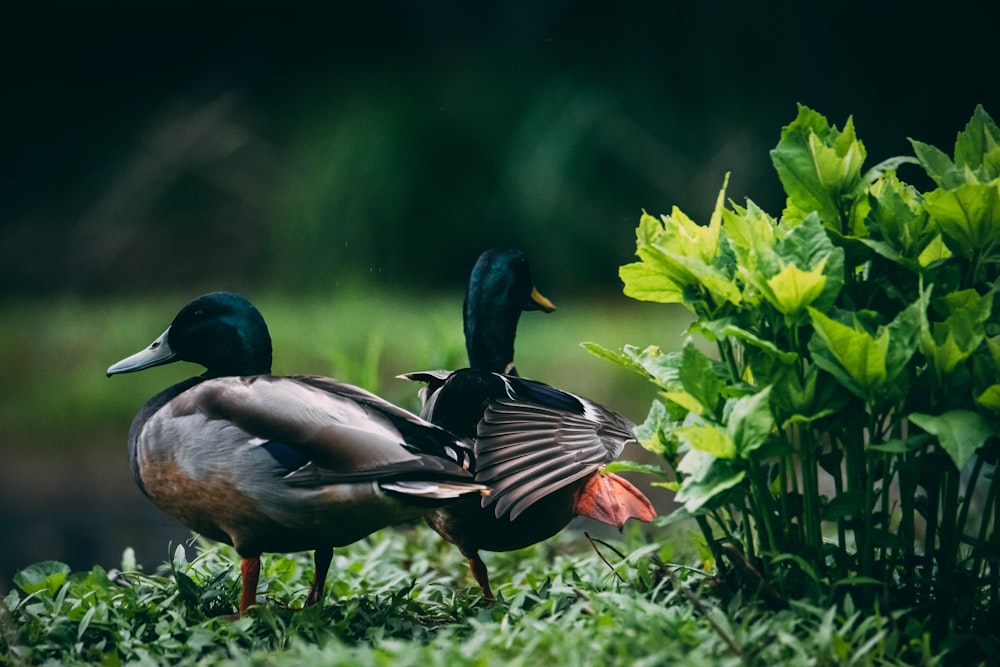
841 444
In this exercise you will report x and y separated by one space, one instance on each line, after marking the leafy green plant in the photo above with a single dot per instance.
840 442
403 597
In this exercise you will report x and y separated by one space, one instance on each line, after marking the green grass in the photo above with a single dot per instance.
403 597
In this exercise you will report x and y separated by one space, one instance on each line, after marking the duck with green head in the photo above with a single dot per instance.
541 450
500 289
279 463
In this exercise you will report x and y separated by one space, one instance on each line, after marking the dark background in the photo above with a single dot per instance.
293 145
163 148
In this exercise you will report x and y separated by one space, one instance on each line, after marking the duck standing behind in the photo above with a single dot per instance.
541 450
279 463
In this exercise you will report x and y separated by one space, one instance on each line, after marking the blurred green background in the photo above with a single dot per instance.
344 163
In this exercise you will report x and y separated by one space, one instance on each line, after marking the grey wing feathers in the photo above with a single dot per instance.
342 430
526 451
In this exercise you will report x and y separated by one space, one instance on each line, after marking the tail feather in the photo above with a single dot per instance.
435 490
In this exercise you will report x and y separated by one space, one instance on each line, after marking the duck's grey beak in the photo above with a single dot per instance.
157 353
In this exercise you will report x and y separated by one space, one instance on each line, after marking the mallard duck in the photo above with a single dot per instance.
540 449
279 463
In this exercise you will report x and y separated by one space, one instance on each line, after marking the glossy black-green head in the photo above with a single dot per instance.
222 331
500 289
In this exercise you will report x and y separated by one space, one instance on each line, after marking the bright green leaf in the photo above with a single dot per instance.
808 246
643 283
936 251
705 478
794 289
904 332
977 144
651 362
860 354
676 255
751 234
750 422
947 344
817 165
707 438
655 433
766 346
792 267
937 165
898 220
993 346
46 575
990 398
946 355
796 397
698 377
685 400
968 215
824 359
960 432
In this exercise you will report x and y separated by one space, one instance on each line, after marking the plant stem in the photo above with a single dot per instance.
872 460
944 593
713 546
810 492
764 503
788 486
747 530
930 532
995 540
970 487
723 523
726 353
907 522
838 489
988 517
888 472
949 540
857 483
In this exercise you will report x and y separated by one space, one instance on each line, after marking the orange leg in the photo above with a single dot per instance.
481 575
251 575
322 558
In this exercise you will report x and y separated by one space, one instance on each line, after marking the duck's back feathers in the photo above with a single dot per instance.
531 439
342 433
538 439
416 434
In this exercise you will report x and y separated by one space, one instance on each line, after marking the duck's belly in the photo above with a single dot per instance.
219 481
270 517
470 526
